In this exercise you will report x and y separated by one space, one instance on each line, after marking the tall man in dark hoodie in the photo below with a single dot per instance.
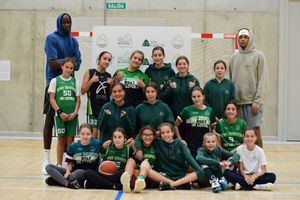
249 72
59 45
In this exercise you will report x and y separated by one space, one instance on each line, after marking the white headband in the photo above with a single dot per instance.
243 32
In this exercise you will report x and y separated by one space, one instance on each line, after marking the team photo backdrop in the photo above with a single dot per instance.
121 41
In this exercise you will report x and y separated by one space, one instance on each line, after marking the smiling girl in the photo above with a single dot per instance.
174 159
65 99
133 79
252 166
219 91
116 113
96 83
117 152
160 112
197 119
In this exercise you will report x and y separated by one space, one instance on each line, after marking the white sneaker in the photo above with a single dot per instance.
125 180
140 184
266 187
237 186
215 186
44 172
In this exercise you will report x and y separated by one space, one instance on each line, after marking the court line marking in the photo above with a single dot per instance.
120 193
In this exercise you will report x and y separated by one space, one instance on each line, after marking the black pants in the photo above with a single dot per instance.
234 177
99 181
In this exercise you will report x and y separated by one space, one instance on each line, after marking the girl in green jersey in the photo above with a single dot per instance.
117 152
136 170
231 128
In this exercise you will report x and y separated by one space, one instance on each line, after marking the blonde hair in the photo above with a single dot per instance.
208 135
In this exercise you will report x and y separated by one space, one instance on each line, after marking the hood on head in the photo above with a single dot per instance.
59 25
251 44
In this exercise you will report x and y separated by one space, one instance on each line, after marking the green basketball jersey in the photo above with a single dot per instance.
65 94
231 134
198 123
134 95
149 154
119 156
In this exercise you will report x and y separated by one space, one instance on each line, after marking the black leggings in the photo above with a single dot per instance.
234 177
99 181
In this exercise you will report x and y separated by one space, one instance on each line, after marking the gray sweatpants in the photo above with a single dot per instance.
57 173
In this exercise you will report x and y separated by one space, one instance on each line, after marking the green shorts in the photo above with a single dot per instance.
68 128
92 120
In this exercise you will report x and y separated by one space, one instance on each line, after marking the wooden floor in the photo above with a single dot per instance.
20 177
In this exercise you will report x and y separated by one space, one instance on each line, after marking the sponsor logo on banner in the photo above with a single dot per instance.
146 61
152 43
102 41
146 43
125 41
177 42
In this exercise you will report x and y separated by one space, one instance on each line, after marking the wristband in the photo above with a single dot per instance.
59 111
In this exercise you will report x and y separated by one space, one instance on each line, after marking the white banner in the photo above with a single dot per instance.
121 41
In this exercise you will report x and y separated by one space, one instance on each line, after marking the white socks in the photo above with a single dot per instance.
47 156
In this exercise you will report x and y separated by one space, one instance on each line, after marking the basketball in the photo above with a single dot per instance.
108 167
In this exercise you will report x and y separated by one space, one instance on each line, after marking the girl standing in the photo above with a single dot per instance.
117 152
81 155
133 79
231 128
197 119
159 72
65 100
181 84
213 160
160 112
136 170
252 166
219 91
96 83
174 159
116 113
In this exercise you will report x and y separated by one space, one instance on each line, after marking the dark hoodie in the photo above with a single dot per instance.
58 46
179 97
160 76
173 158
108 123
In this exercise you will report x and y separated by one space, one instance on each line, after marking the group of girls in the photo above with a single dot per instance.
177 145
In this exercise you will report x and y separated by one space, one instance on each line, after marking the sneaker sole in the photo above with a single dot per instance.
218 189
139 186
266 187
125 180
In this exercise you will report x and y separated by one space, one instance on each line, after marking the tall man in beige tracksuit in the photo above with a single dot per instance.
249 72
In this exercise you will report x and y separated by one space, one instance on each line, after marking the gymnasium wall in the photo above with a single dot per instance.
23 25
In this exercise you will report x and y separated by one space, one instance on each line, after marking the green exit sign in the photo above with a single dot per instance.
116 6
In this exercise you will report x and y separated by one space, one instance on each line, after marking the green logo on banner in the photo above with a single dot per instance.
116 6
146 61
146 43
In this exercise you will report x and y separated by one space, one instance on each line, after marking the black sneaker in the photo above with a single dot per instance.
118 186
73 185
52 182
186 186
165 186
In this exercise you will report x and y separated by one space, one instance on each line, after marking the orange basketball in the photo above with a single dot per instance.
108 167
